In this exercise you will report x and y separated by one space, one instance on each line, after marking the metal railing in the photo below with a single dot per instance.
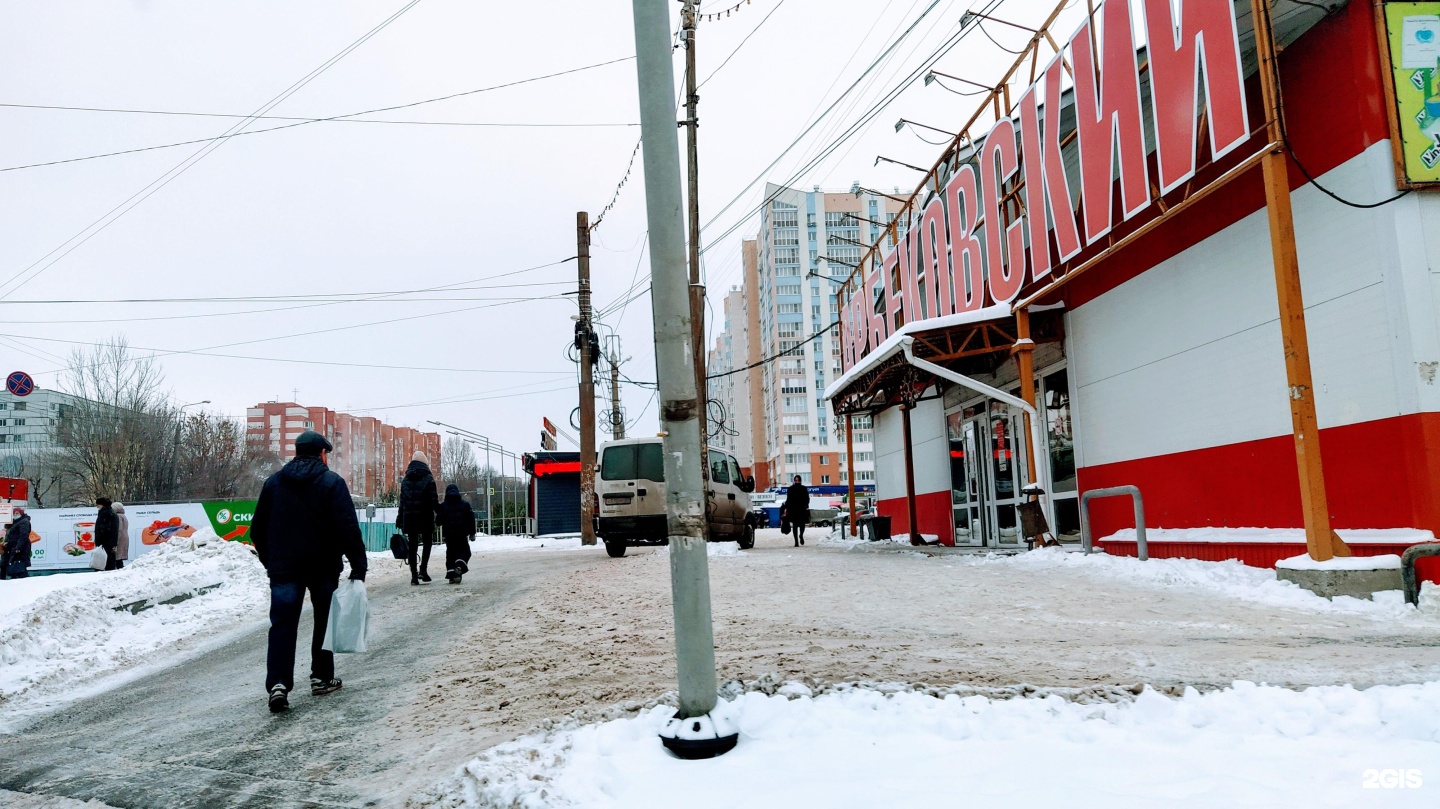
1087 542
1407 569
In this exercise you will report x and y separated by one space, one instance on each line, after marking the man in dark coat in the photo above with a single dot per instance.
304 524
107 531
797 509
416 518
15 562
457 525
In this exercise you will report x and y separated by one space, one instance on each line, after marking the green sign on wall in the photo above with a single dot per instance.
231 518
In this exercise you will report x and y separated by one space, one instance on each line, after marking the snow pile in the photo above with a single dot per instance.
1247 745
1385 561
521 542
1229 579
73 634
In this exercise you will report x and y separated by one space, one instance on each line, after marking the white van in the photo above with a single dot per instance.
630 495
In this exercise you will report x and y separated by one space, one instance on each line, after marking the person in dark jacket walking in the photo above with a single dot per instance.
304 524
416 518
797 509
107 531
457 526
15 562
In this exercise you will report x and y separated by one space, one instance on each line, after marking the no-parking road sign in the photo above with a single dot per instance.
19 383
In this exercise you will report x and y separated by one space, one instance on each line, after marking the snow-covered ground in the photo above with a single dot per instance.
1247 745
61 635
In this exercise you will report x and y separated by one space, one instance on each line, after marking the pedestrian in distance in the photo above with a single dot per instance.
419 505
304 527
107 531
797 509
457 526
15 561
122 545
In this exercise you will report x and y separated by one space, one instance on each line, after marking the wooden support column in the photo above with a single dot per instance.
1025 357
1320 538
850 467
915 538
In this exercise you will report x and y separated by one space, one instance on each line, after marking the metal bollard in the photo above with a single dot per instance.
1087 542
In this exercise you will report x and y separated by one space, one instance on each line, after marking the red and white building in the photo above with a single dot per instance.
1151 299
370 455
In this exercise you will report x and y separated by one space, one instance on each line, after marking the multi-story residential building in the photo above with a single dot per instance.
27 422
809 242
369 454
732 392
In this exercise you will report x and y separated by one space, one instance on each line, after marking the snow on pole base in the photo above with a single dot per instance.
1356 576
700 737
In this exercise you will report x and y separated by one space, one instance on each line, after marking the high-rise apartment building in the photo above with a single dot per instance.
809 242
370 455
732 391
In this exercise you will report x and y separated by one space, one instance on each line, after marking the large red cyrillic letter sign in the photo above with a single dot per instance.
1108 117
1206 36
1005 271
963 200
1046 189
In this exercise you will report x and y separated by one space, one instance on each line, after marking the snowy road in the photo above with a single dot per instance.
199 734
539 634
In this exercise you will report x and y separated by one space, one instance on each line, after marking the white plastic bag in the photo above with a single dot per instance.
98 559
349 619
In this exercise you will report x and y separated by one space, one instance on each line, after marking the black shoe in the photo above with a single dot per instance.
279 699
414 579
452 576
802 540
424 577
320 687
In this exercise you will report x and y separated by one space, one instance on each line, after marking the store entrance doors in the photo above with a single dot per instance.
986 473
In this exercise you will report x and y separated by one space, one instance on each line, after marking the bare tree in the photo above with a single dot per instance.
458 464
213 460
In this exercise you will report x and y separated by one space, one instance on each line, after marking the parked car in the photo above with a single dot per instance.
630 495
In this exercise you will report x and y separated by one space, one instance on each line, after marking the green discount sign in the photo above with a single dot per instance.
231 518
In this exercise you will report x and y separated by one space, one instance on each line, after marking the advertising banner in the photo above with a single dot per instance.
1413 33
62 537
231 518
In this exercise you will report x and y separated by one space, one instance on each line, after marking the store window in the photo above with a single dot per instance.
1060 435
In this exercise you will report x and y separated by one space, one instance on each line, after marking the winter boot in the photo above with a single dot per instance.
319 687
424 577
279 699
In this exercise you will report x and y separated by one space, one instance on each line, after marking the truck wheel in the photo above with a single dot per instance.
747 539
615 549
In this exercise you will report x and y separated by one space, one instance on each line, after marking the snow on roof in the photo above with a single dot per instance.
892 346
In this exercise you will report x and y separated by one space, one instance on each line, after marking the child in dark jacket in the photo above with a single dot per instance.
457 525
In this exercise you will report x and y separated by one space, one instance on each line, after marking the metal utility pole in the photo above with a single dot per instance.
1320 539
680 398
617 419
587 386
697 290
489 514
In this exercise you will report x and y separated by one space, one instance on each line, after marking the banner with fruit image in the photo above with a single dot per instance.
62 537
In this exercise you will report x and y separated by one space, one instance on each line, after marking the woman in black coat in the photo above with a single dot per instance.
416 518
797 509
15 562
457 525
107 531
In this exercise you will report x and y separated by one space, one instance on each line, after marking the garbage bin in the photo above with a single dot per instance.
880 528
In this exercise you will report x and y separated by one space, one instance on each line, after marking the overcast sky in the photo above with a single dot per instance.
381 207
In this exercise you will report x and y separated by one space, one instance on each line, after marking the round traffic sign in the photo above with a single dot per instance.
19 383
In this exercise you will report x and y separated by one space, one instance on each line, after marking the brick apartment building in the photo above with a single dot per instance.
369 454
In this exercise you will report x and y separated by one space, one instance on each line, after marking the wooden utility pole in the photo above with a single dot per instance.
910 510
1320 538
1025 360
697 290
617 419
583 331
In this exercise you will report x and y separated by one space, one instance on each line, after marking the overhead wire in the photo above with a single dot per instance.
40 265
345 118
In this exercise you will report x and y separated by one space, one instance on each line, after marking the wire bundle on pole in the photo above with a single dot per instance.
615 197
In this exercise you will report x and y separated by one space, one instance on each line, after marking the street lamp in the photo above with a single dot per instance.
175 447
900 124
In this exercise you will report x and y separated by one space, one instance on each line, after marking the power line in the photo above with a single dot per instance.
45 262
302 118
332 363
787 352
345 118
752 33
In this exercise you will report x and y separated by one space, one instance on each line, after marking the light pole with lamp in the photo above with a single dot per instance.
175 446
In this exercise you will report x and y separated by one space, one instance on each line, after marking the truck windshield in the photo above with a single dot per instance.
634 461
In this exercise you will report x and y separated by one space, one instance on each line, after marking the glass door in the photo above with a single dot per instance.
967 489
1004 461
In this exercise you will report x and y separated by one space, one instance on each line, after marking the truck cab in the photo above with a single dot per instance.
630 495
